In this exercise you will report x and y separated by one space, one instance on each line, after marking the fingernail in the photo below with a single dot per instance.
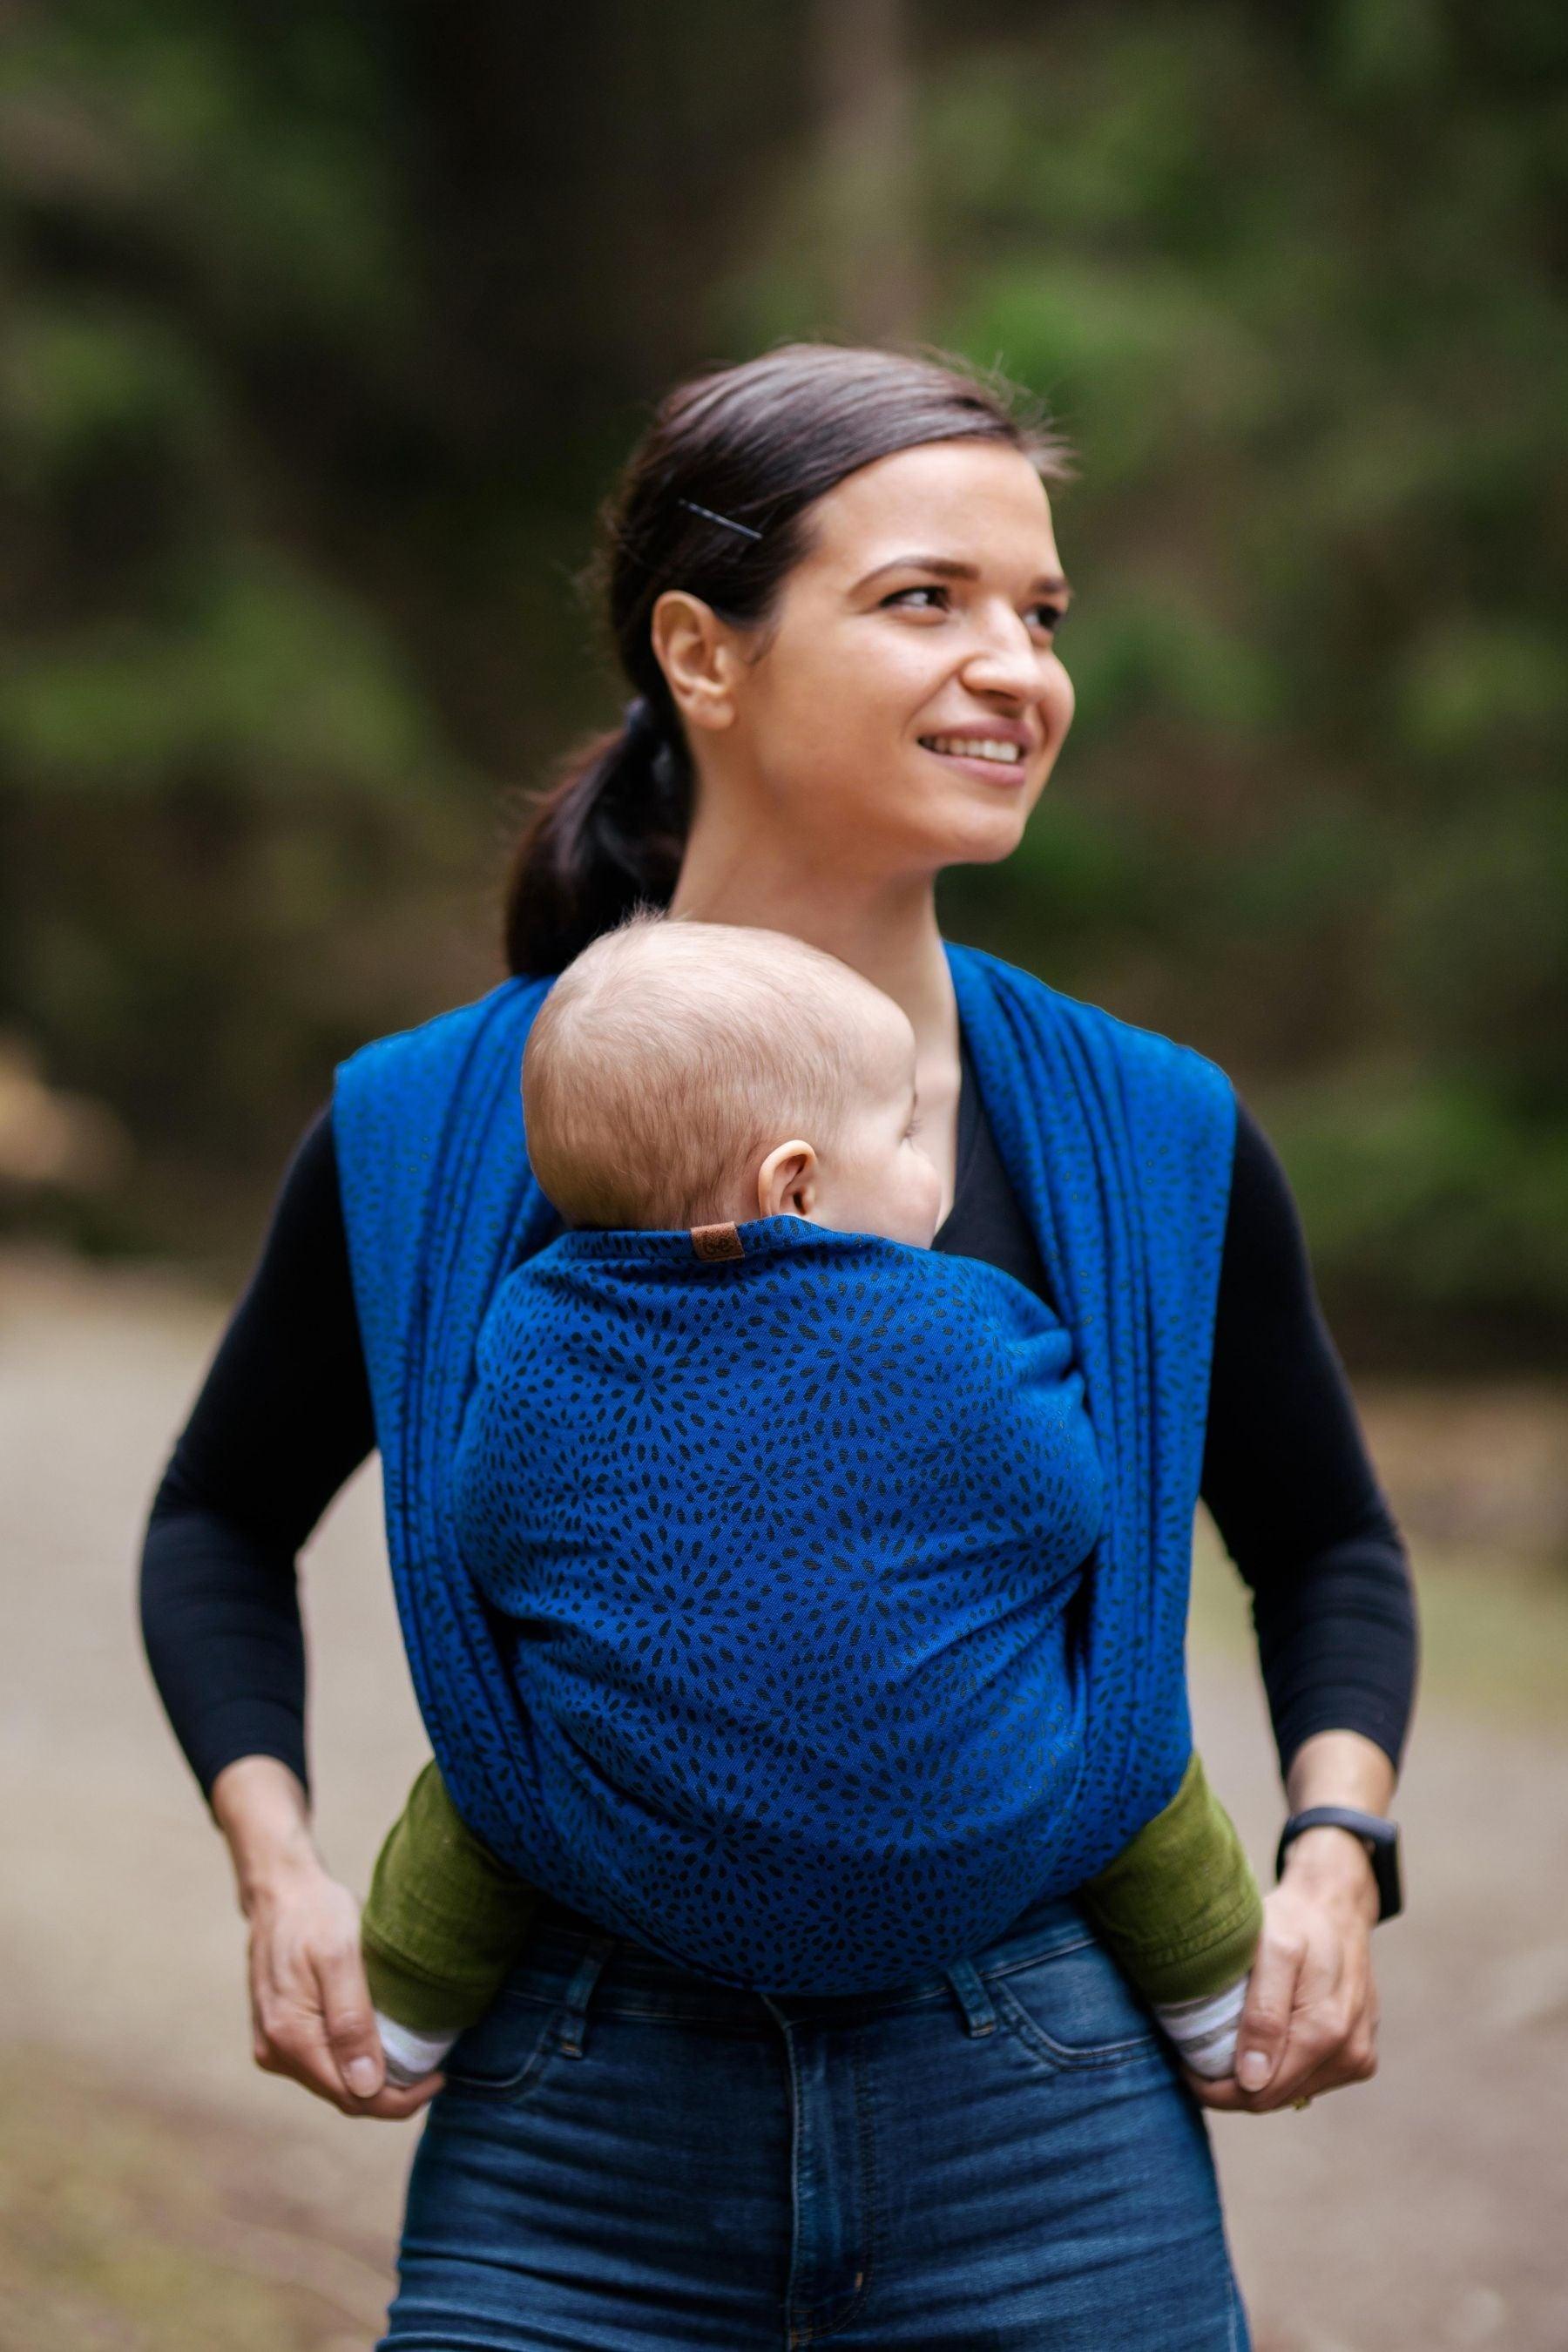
362 2076
1252 2070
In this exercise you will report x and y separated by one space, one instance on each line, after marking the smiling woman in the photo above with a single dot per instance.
831 578
834 712
903 593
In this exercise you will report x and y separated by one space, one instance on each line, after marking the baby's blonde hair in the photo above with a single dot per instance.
671 1055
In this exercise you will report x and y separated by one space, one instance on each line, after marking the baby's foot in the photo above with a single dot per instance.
1204 2030
410 2057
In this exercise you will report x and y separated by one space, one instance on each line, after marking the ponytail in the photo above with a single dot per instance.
609 833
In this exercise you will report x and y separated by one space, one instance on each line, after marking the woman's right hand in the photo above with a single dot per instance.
310 2006
310 2010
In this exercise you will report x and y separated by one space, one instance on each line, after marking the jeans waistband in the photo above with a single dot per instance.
573 1959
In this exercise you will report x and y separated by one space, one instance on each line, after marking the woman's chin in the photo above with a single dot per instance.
947 832
981 836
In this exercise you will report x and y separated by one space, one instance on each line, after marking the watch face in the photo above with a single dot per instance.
1385 1870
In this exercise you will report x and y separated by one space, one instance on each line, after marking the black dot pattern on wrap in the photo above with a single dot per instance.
784 1547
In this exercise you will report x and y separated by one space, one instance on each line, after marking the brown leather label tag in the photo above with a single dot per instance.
717 1241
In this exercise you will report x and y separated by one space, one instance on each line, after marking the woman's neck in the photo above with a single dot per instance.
888 934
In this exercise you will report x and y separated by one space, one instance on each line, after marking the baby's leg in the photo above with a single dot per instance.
441 1929
410 2057
1204 2030
1180 1909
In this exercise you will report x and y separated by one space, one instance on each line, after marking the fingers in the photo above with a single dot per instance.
288 2039
395 2104
349 2020
311 2013
1334 2037
1310 2019
1353 2058
1334 2073
1225 2096
317 2072
1271 1997
1329 2049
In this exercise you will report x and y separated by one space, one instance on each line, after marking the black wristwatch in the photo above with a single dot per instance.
1380 1836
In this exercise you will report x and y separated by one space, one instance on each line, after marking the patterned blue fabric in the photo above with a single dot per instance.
859 1745
782 1549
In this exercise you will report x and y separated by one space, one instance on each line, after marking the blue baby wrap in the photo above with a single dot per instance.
782 1549
743 1597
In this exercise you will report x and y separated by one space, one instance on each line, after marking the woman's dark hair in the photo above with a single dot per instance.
712 500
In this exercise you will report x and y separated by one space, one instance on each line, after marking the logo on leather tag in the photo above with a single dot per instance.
717 1241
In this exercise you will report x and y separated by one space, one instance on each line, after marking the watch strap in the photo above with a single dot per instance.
1380 1834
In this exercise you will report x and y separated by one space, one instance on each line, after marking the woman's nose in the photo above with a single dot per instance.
1010 661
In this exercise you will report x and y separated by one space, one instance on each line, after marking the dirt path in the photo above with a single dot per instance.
159 2193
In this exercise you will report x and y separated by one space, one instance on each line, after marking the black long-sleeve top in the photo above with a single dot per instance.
284 1418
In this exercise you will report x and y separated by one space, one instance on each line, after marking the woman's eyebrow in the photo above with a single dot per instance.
949 568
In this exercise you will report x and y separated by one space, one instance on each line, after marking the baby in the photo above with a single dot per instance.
759 1761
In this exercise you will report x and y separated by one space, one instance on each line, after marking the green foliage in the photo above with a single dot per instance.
255 670
1291 290
329 326
1433 1189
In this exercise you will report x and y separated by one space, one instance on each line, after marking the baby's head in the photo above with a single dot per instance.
684 1074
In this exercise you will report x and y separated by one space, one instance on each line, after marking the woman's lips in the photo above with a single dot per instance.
991 771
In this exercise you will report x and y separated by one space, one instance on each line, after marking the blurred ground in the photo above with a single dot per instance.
159 2195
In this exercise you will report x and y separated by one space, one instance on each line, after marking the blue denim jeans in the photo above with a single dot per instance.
629 2158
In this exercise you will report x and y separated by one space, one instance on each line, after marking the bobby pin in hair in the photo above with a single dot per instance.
743 527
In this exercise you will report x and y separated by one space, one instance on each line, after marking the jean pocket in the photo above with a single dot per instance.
506 2053
1073 2006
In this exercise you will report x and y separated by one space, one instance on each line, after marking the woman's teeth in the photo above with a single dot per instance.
974 747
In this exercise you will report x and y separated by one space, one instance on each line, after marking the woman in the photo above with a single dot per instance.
832 578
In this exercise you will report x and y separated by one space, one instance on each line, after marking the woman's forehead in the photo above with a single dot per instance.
976 501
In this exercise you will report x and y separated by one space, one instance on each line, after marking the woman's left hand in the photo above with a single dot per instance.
1310 2019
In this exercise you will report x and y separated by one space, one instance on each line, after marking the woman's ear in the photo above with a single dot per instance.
698 657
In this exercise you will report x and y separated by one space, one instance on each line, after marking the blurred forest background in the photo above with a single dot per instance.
323 330
328 325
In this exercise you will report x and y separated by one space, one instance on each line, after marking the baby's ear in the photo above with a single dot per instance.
790 1167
